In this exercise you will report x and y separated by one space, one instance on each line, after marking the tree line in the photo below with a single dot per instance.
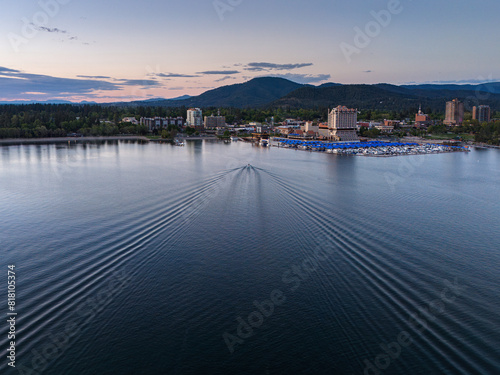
59 120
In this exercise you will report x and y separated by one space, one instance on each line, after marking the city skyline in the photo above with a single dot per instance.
131 50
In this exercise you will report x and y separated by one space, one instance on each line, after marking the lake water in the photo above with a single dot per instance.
233 259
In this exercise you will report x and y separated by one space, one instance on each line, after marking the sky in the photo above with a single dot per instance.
124 50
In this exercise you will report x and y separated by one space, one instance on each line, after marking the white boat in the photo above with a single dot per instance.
234 139
264 142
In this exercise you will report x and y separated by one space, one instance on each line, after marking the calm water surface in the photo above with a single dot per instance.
231 259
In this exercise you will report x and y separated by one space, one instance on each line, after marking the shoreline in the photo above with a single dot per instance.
196 138
52 140
443 141
27 141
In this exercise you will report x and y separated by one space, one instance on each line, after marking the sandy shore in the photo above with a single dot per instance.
22 141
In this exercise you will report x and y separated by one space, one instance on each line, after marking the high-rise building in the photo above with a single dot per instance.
454 113
194 117
482 113
342 123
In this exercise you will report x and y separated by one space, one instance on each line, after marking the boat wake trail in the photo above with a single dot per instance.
191 259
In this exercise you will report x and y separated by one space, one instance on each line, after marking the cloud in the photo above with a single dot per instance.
16 84
219 72
138 82
260 66
49 30
173 75
94 77
21 85
302 78
55 30
7 70
224 78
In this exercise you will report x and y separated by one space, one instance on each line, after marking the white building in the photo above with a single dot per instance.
385 128
342 123
194 117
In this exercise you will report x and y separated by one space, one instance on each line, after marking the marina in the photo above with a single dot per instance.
372 148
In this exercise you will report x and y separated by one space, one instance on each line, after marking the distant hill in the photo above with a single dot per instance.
265 92
50 101
383 97
254 93
280 92
183 97
54 101
491 87
329 84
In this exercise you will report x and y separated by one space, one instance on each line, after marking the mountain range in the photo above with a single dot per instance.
257 92
272 92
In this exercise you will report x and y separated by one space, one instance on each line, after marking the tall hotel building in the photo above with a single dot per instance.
481 113
342 123
454 113
194 117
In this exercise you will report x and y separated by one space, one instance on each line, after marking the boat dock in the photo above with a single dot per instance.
373 148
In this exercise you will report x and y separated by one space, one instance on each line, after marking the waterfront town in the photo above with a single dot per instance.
339 130
342 124
341 134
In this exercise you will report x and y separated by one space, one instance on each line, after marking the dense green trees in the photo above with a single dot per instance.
370 133
488 133
50 120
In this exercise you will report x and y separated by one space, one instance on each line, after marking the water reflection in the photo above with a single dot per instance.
201 241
